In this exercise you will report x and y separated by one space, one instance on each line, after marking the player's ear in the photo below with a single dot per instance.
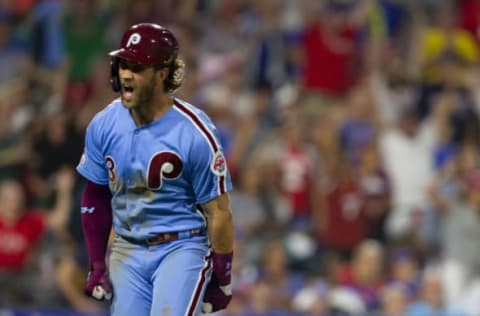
163 73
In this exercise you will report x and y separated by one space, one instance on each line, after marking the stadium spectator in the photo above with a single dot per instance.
22 232
84 28
343 218
15 148
297 175
333 54
376 191
444 36
312 299
394 299
431 299
275 275
404 270
410 203
469 17
365 273
360 126
461 260
58 136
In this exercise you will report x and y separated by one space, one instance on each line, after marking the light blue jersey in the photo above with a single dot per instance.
158 173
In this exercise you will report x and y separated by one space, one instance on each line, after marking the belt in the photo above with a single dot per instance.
165 237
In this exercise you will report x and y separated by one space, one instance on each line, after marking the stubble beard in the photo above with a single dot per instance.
145 96
143 99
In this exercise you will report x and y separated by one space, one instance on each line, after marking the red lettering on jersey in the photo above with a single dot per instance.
164 164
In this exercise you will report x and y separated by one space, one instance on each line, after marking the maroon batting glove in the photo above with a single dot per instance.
98 283
218 293
217 297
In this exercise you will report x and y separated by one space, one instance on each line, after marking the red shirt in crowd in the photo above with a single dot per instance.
296 168
470 18
345 220
329 60
18 240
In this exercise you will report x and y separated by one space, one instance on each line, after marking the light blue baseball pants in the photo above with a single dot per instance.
167 279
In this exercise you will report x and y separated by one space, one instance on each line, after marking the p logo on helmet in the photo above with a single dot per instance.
144 43
134 39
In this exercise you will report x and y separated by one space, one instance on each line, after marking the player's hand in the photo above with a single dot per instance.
219 290
217 297
98 283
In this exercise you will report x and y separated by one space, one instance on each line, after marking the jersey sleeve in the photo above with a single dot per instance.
92 164
210 175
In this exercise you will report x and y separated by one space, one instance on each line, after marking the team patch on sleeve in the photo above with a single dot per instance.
219 164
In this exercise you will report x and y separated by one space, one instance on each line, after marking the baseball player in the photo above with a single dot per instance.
155 168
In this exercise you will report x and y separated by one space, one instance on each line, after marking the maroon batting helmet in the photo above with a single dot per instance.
145 43
148 44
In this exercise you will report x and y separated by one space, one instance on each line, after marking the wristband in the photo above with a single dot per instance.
98 266
222 267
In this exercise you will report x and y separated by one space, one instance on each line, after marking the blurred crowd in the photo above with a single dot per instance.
351 129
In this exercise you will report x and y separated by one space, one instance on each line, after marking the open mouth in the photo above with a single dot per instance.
127 90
